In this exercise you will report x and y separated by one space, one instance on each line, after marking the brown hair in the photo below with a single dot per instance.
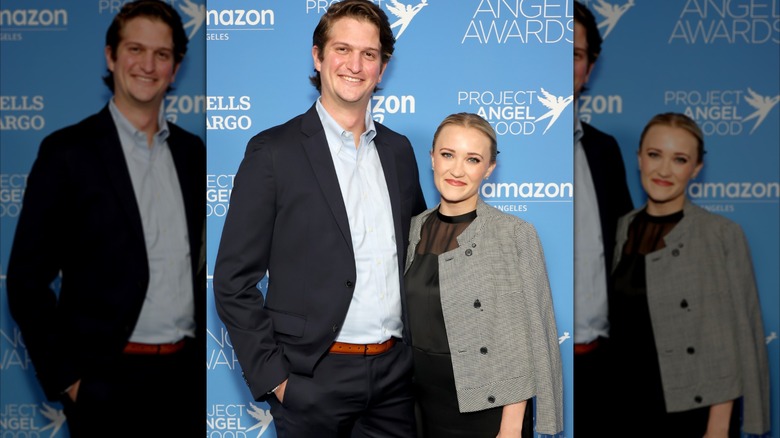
583 16
153 10
363 10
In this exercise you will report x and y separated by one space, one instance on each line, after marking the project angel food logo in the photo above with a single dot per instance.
723 112
14 23
520 21
22 420
727 21
405 13
611 12
192 13
230 421
516 112
219 187
12 186
400 13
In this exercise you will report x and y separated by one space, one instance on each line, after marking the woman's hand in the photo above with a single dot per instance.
512 420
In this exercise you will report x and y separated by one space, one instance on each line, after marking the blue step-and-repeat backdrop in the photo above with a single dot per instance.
717 61
510 61
51 69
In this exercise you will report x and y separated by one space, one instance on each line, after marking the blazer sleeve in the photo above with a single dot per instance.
242 261
752 346
545 349
37 256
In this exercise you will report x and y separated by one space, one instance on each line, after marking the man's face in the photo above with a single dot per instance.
582 67
351 64
143 65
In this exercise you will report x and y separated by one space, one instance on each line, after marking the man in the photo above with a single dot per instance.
601 197
115 204
323 204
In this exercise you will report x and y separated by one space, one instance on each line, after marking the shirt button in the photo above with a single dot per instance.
675 252
477 304
683 304
697 399
468 252
483 350
691 350
491 399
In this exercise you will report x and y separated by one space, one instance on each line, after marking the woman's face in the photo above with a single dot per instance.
668 160
461 161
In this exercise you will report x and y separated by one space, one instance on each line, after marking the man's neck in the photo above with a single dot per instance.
351 118
143 118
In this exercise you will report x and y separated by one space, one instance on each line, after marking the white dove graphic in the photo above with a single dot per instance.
196 14
772 336
262 416
612 14
762 105
56 416
405 13
565 336
556 104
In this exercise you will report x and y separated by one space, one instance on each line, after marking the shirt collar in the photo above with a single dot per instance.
334 130
124 124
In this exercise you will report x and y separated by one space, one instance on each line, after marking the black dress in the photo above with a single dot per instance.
439 416
636 391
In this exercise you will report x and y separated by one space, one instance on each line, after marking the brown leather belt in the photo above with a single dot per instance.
138 348
586 348
362 349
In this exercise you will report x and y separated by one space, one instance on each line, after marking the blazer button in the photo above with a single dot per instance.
675 252
683 304
691 350
491 399
477 304
468 252
349 284
697 399
483 350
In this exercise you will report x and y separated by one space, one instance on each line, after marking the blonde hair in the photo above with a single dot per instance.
470 120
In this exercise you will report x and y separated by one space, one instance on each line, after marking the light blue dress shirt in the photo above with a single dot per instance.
590 270
375 310
168 312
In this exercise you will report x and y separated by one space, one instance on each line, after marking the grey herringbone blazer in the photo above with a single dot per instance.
499 316
706 317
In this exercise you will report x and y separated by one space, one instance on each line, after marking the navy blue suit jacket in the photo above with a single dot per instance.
609 180
287 218
80 218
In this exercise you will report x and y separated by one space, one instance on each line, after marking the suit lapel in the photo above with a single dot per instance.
389 168
109 148
315 144
184 169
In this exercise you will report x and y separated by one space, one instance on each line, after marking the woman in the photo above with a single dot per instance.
686 325
483 330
